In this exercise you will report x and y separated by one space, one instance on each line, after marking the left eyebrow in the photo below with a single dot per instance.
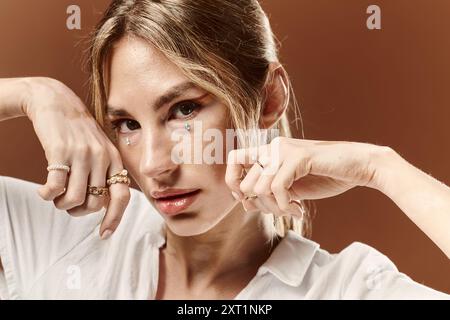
166 98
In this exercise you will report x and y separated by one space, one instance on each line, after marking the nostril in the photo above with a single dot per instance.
155 169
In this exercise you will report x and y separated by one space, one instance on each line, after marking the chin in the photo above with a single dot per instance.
190 224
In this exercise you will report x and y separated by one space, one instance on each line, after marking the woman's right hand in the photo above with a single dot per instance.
71 136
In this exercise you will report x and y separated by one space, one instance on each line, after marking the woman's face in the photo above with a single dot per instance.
149 100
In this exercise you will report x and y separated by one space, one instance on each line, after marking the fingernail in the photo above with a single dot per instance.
235 196
106 234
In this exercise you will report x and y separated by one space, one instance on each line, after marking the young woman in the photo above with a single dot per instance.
214 230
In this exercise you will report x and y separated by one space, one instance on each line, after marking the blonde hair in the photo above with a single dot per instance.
225 47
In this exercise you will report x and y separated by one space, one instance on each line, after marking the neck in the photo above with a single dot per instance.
236 247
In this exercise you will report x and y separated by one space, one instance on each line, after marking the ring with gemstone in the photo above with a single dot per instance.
121 177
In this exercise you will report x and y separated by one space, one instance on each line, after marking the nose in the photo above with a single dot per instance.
156 156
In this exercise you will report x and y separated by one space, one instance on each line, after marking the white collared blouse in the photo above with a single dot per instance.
47 254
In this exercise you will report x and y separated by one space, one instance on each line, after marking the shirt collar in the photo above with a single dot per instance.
288 262
160 236
291 259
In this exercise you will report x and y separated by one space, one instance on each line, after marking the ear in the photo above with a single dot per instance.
276 96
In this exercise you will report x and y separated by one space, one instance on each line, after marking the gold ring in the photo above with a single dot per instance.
97 191
121 177
252 196
62 167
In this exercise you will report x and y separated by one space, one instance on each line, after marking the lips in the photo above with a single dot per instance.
176 202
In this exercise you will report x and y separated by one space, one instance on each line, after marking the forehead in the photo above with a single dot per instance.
135 64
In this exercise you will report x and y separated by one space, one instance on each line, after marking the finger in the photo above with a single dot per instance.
55 185
262 189
269 202
97 176
75 194
234 173
118 201
255 204
239 160
281 184
247 185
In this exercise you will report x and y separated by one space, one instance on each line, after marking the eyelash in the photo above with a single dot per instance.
195 107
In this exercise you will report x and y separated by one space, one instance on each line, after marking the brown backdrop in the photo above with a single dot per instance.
386 86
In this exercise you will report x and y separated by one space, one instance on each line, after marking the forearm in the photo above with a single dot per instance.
425 200
13 94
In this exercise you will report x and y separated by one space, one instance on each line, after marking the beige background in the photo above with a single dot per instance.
388 87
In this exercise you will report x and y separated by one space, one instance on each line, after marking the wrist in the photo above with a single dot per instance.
13 96
386 165
34 89
25 85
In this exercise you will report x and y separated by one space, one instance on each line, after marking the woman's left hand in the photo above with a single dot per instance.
298 169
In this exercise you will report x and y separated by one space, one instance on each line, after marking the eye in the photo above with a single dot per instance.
184 110
125 124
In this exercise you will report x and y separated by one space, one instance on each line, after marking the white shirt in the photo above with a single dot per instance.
47 254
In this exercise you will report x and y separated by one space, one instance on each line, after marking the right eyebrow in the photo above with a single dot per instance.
166 98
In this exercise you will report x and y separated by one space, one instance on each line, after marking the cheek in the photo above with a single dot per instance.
216 180
130 160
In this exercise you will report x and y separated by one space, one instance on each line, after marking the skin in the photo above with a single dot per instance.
214 238
215 248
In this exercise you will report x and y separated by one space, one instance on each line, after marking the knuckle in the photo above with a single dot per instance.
75 199
82 150
55 186
261 190
123 197
245 187
95 206
276 187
